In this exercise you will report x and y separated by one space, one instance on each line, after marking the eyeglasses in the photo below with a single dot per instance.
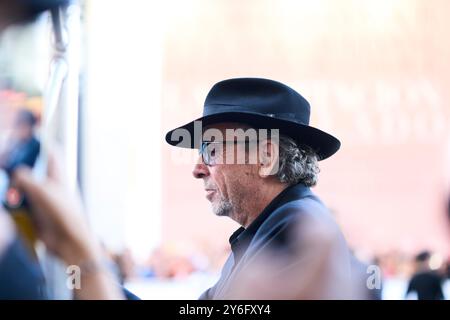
212 151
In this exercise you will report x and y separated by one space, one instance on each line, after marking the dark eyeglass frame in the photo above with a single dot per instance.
203 150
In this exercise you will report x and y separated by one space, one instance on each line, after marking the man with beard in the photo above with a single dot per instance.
258 159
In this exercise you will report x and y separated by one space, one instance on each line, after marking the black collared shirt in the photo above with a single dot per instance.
271 230
241 238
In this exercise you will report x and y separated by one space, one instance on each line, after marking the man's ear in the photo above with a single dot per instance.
268 158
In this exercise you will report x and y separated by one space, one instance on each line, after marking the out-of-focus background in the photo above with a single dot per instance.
376 73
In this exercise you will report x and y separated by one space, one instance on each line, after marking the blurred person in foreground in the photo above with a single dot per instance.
288 245
20 275
56 213
425 283
15 258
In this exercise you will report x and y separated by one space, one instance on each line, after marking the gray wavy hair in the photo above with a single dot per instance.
297 164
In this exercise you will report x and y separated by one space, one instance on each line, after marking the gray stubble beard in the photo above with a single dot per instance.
224 208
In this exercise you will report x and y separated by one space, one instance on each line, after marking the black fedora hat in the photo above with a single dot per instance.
262 104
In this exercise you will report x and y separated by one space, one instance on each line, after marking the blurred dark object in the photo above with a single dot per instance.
24 147
425 282
26 118
22 11
424 256
20 275
428 286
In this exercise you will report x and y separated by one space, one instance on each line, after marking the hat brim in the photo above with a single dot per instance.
324 144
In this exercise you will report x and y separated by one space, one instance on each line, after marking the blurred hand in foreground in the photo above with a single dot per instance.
59 220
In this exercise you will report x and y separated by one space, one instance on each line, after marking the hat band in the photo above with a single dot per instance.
212 109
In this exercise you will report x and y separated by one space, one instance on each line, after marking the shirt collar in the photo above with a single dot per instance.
241 238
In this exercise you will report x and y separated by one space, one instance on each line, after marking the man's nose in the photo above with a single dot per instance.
201 170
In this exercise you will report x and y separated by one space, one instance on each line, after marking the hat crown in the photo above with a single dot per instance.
257 95
261 104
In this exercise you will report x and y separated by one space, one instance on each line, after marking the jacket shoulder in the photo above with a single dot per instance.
307 216
308 208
